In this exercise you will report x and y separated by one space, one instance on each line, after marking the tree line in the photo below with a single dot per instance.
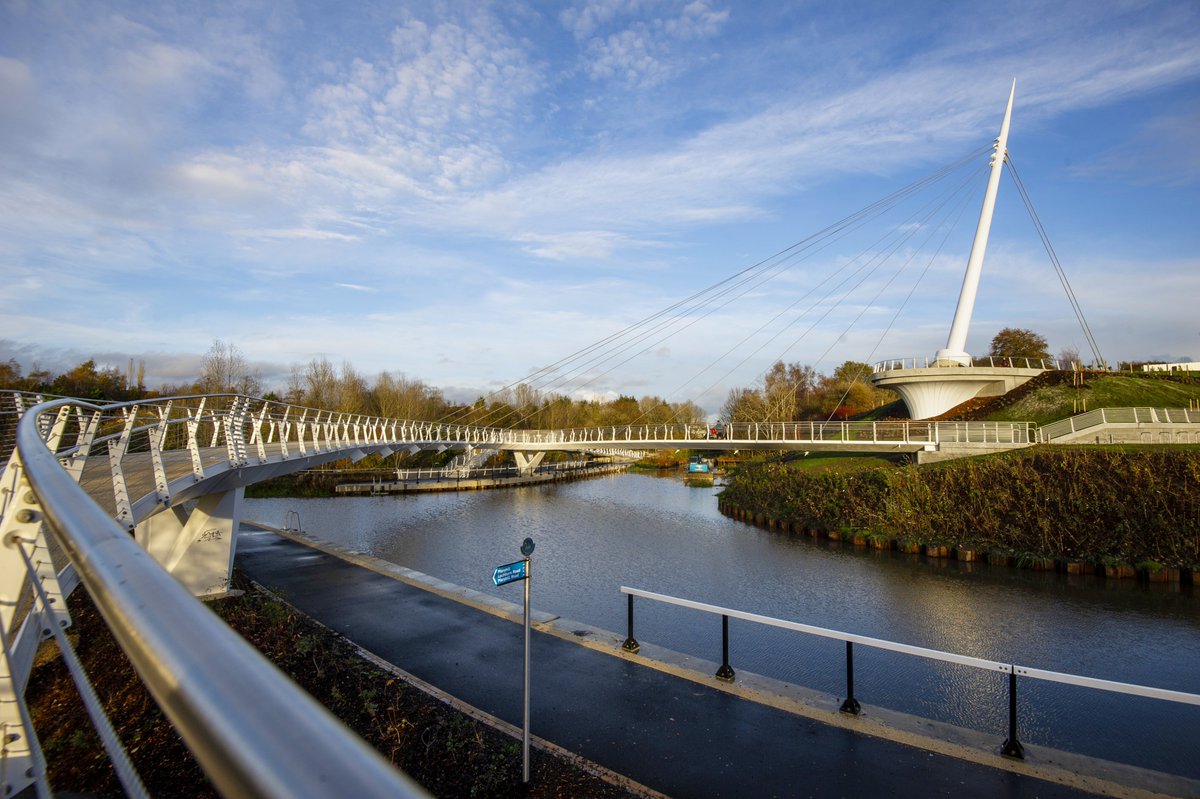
793 392
786 392
321 384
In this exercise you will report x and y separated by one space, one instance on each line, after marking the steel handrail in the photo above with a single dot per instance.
1113 686
795 626
989 361
253 731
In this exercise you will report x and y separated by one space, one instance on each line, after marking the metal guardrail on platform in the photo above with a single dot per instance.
989 361
1011 746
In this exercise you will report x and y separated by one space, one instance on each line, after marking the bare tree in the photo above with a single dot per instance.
352 393
743 405
787 389
320 383
224 370
1068 358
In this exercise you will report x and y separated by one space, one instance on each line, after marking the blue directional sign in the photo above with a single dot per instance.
510 572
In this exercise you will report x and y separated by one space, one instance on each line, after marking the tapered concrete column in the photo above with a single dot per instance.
197 548
527 463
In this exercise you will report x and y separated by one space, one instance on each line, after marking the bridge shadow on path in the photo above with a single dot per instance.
665 732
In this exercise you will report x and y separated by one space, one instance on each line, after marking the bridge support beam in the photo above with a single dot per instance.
22 536
197 548
526 463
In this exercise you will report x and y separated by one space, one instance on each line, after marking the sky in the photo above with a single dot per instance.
467 192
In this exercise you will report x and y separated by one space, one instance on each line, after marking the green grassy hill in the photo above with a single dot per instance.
1053 402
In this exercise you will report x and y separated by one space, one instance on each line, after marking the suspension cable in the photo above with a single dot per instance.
901 239
736 285
891 323
1062 275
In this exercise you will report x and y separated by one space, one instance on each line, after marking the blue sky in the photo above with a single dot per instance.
467 191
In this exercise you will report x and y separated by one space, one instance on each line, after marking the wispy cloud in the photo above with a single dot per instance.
580 165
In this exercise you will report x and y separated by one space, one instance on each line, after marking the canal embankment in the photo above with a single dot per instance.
1123 513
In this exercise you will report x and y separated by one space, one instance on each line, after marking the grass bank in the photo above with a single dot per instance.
1134 507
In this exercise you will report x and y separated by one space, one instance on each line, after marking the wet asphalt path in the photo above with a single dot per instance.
668 733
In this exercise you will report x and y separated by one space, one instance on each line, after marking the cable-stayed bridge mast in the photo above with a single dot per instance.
952 377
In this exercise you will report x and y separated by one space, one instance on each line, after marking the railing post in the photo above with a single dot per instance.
851 705
631 645
725 672
1012 747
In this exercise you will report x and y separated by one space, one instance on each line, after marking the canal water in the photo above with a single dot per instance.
657 534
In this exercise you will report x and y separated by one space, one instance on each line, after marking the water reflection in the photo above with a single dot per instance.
594 536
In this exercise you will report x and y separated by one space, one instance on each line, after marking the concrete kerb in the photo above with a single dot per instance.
1065 768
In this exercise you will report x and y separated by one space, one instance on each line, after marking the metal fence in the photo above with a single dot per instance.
1011 746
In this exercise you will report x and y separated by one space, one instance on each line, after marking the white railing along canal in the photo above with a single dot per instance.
1011 747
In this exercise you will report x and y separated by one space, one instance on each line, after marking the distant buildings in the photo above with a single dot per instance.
1192 366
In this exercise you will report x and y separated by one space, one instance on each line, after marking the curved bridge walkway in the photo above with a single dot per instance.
91 489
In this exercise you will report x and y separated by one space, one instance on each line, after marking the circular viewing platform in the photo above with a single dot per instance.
930 387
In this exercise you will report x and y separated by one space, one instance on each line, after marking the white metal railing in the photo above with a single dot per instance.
249 431
989 361
1011 746
793 433
1123 416
253 731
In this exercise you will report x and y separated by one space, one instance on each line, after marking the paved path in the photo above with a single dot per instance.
668 733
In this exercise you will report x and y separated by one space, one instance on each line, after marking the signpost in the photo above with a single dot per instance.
503 575
510 573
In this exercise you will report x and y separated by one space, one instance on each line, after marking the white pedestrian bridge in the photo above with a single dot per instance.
140 501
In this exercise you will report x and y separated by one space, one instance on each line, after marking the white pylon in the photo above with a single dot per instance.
956 343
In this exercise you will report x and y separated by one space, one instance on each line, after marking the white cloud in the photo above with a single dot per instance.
1162 152
312 234
243 157
437 110
590 245
652 49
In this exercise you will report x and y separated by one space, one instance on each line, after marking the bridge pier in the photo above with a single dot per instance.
196 547
526 464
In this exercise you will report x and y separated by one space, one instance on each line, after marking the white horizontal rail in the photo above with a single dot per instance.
878 643
931 654
1110 685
